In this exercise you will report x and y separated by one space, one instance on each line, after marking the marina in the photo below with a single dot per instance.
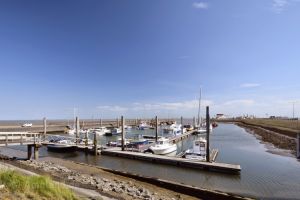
256 179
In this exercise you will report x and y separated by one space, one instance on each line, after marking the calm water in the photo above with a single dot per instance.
264 175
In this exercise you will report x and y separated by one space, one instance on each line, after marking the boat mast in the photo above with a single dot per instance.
199 109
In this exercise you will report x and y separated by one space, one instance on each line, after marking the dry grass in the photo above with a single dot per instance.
288 124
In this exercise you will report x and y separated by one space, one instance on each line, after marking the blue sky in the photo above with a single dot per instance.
146 58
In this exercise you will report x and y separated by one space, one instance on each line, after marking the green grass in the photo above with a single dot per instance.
35 187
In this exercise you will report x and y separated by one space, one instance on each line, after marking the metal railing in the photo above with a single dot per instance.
19 138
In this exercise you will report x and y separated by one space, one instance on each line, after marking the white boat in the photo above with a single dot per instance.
118 143
27 125
174 129
143 126
100 131
199 150
163 146
202 129
127 127
72 131
115 131
62 145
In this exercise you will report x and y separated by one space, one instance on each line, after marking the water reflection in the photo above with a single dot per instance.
263 175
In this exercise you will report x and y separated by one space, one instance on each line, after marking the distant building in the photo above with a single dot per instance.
220 116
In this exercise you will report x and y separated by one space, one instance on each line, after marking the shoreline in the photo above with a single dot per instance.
116 184
285 143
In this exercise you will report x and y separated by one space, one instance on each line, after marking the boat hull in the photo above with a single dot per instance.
61 148
163 151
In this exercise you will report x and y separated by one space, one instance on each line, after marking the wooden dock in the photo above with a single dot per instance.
181 137
183 162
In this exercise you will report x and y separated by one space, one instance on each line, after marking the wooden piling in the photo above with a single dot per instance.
95 144
181 122
86 139
298 145
36 151
123 133
118 123
207 134
29 151
194 122
100 122
45 127
77 129
156 128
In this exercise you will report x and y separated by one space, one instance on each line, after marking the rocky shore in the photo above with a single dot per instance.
278 140
113 187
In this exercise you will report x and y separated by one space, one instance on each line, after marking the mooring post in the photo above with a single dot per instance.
29 151
181 122
207 134
45 127
86 139
77 129
95 144
298 145
123 133
136 121
100 122
194 122
36 151
156 128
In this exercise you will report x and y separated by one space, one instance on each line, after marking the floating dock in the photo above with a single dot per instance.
183 162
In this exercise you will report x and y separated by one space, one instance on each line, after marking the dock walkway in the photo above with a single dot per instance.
210 166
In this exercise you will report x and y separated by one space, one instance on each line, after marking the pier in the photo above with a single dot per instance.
19 138
32 140
182 136
182 162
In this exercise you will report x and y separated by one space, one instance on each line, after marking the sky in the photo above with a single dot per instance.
141 58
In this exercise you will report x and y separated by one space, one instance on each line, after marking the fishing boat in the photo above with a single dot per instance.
138 142
118 143
198 152
62 145
127 127
163 146
174 129
100 131
143 126
115 131
202 129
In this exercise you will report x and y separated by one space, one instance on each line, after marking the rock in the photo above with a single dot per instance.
146 196
99 186
104 180
2 187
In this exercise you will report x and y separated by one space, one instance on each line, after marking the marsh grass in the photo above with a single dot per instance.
35 187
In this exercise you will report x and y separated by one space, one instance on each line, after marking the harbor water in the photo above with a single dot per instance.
264 175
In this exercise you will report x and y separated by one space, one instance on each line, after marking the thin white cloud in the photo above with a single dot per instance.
113 108
249 85
279 5
184 105
200 5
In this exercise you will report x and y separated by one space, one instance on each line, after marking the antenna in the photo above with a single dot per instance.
199 108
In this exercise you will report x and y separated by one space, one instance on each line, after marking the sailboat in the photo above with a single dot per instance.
200 127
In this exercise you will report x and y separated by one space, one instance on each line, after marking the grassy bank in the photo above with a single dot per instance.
18 186
286 127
